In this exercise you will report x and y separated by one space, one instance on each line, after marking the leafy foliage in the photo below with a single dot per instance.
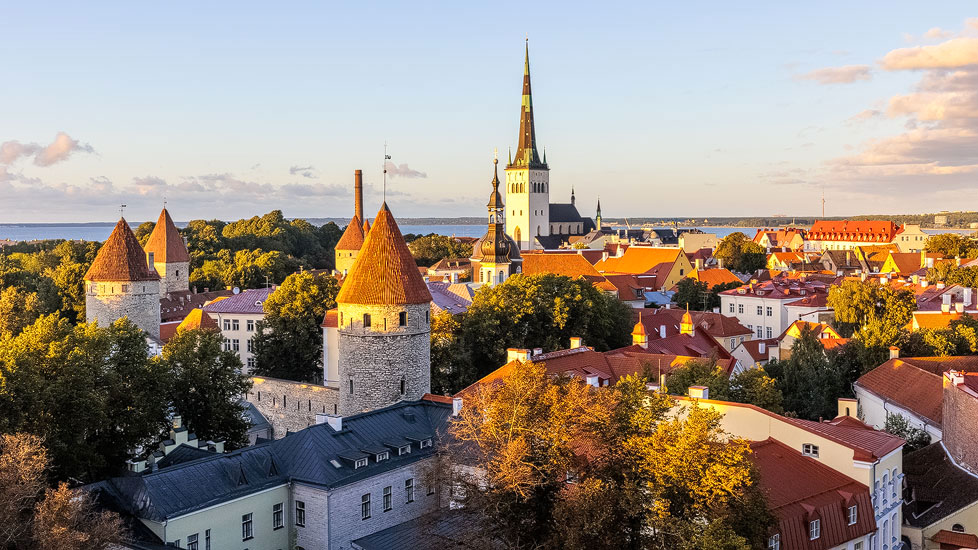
698 295
899 426
752 386
450 363
952 244
429 249
810 380
739 253
878 312
952 274
51 270
288 343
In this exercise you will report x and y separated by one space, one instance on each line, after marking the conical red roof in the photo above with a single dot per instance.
384 273
165 242
198 319
352 238
121 258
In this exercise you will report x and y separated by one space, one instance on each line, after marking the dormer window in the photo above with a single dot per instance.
809 450
852 515
360 463
425 443
814 529
403 450
382 456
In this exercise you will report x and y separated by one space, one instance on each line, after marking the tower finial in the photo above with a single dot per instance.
122 209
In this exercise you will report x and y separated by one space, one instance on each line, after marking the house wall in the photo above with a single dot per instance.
239 337
967 517
291 406
691 242
873 411
960 418
912 239
331 374
139 301
777 322
681 269
344 260
224 522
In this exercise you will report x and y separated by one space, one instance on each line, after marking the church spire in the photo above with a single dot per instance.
526 149
597 218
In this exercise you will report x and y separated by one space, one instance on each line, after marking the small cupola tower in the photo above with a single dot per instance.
495 256
640 337
686 326
384 324
123 283
170 256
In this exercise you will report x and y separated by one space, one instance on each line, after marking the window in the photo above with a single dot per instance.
227 325
957 528
740 308
351 386
402 319
251 363
251 346
760 331
382 456
227 345
250 325
387 499
192 542
365 506
768 331
360 463
809 450
300 513
770 311
404 450
236 345
426 316
852 515
774 542
814 529
431 489
234 325
277 516
246 528
760 310
402 386
858 546
366 319
207 539
409 489
733 342
425 443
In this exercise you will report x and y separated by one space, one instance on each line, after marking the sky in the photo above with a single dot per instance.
230 110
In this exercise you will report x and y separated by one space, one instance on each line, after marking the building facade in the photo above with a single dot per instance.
238 316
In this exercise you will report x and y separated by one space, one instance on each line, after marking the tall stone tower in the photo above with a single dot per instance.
384 324
496 255
348 246
170 256
527 178
122 283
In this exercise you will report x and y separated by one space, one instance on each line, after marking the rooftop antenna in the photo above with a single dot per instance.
823 201
164 201
122 209
386 158
267 284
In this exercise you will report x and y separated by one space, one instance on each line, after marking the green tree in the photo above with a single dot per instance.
739 253
692 294
18 309
143 231
208 386
809 382
951 245
429 249
545 311
877 311
289 342
450 363
899 426
752 386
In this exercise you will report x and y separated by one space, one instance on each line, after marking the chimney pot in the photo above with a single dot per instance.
575 342
929 262
517 354
699 392
940 285
537 351
959 307
894 352
335 421
456 406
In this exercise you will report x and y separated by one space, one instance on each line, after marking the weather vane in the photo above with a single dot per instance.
386 158
122 209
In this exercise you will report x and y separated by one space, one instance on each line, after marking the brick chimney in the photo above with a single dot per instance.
699 392
358 193
894 352
517 354
575 342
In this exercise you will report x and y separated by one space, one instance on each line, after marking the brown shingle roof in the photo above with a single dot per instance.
909 386
121 258
197 319
165 241
352 238
384 272
570 265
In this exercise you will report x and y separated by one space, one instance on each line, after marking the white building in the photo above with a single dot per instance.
764 307
238 316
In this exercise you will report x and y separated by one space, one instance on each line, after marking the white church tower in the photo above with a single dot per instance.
527 179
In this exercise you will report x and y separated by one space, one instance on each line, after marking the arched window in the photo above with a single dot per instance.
538 231
957 528
501 276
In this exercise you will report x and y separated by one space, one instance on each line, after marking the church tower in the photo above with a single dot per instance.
348 246
496 255
170 257
527 178
384 324
122 283
597 217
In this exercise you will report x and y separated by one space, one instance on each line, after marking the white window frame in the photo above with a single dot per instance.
278 516
425 443
300 513
382 456
774 542
365 507
814 529
809 449
192 543
360 463
853 514
409 490
404 450
247 527
388 498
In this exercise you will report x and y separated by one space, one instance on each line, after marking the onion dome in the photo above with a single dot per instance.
121 258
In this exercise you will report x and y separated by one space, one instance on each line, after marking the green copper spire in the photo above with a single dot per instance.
526 149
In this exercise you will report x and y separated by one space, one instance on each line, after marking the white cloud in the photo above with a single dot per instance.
403 171
60 149
838 75
957 52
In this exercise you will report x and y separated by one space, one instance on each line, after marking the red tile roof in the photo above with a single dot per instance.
198 319
352 238
800 489
717 324
780 288
959 540
165 242
570 265
906 385
845 230
868 444
715 276
121 259
384 273
639 259
331 319
753 348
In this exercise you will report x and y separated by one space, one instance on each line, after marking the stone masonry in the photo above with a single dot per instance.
291 406
138 300
960 418
174 277
377 362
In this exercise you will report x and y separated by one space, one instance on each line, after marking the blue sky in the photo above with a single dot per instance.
679 109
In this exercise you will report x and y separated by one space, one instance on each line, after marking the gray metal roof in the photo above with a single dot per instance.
247 301
435 531
304 456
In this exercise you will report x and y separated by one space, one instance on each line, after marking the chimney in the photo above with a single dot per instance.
957 261
604 255
517 354
662 331
699 264
358 193
862 277
537 351
699 392
762 347
946 298
575 342
945 308
456 406
454 276
894 352
592 380
335 421
940 285
955 378
915 279
884 280
923 283
930 263
967 295
848 407
959 307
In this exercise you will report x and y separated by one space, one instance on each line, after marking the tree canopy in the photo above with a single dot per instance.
952 244
288 343
752 386
877 311
740 253
428 249
698 295
810 380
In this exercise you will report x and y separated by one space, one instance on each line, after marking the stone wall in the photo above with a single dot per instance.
174 277
290 406
373 361
960 418
345 259
139 301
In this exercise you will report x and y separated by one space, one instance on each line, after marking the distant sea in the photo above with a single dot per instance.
101 231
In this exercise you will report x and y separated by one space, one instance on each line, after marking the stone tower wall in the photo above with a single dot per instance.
378 357
345 259
174 277
139 301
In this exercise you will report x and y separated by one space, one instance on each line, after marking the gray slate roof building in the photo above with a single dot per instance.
935 486
246 301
